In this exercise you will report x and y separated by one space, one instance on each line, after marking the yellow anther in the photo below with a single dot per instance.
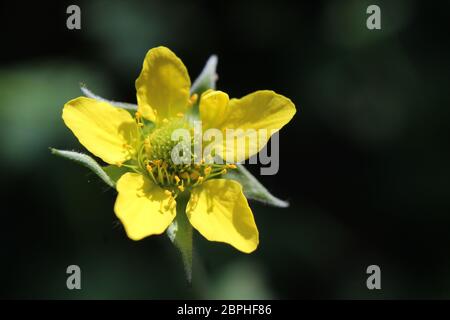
147 145
207 170
149 168
157 162
194 175
176 179
165 120
180 114
223 171
170 204
167 192
193 98
200 179
231 166
181 188
139 119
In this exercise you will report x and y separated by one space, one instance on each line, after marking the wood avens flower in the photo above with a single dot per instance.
155 192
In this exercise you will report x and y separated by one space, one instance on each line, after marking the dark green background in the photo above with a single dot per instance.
364 163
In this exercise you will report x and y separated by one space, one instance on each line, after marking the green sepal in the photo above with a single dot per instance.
124 105
207 78
108 174
253 189
86 161
180 233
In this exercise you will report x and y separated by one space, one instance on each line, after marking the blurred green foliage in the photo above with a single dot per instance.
364 164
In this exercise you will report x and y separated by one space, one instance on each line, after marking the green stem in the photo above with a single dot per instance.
180 232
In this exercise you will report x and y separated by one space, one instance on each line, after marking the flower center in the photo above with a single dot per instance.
159 143
155 159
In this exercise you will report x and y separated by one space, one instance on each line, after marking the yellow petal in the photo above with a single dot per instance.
213 104
219 211
108 132
143 207
163 85
259 111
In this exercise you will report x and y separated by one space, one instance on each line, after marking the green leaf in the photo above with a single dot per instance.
180 233
86 161
253 189
207 78
124 105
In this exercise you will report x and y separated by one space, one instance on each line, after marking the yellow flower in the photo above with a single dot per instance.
147 194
